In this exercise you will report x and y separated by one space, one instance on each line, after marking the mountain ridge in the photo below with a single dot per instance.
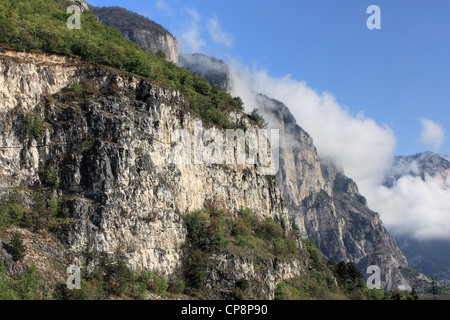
323 203
139 29
97 170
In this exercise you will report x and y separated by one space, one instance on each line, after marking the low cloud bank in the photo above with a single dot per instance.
411 206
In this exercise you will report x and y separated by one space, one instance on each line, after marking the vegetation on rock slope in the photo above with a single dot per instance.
41 26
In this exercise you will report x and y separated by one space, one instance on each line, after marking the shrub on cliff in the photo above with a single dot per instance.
269 230
10 213
41 26
17 247
311 250
34 126
207 228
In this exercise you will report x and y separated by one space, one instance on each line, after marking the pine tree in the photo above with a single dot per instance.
17 247
414 294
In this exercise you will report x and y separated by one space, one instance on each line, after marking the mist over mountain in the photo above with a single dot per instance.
90 130
426 167
216 71
422 165
430 172
323 203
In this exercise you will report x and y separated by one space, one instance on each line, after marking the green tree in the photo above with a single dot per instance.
10 213
29 286
17 247
176 286
52 177
269 230
311 250
158 283
116 276
207 229
195 268
414 294
258 118
7 291
348 275
34 126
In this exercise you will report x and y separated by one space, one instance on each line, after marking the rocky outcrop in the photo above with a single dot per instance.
214 70
323 203
300 173
140 30
326 206
226 270
112 149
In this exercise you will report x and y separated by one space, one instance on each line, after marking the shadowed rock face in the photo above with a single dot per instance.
140 30
325 205
214 70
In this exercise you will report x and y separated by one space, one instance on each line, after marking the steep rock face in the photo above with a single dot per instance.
323 203
422 165
23 79
214 70
227 269
326 206
299 173
113 152
82 4
140 30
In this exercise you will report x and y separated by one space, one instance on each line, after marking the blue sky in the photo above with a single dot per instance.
397 75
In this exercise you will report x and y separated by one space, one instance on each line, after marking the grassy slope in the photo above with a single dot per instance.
41 26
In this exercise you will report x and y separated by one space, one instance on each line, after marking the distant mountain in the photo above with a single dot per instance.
322 202
431 257
139 29
418 165
214 70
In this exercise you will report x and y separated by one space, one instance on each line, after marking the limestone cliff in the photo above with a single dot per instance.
323 203
140 30
111 148
82 4
326 206
214 70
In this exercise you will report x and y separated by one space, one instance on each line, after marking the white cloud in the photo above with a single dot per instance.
363 148
217 34
191 40
415 207
197 33
432 134
163 6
